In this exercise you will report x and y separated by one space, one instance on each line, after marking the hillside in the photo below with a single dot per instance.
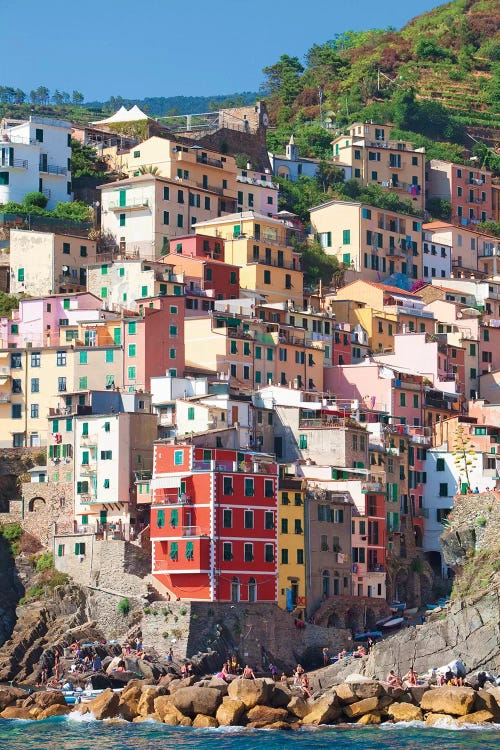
448 60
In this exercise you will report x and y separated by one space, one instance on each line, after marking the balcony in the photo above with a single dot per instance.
137 205
256 181
373 487
88 440
87 470
5 398
190 531
202 159
15 163
375 567
52 169
171 498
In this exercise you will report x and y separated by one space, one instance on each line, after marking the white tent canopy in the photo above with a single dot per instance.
123 115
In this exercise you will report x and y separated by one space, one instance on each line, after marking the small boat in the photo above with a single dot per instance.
384 620
398 606
394 623
432 606
412 611
364 636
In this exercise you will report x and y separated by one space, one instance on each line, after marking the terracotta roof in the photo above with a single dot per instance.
387 288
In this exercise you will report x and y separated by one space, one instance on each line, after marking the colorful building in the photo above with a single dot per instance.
292 583
467 188
376 159
213 523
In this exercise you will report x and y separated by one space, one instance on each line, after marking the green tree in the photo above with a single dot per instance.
283 78
317 265
35 199
77 98
464 454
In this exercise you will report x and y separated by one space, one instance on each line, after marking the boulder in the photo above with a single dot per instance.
416 693
197 700
280 695
345 693
167 679
279 725
56 709
145 704
47 698
104 706
129 700
485 701
432 719
16 712
299 707
405 712
138 719
168 713
203 722
365 706
398 695
477 717
148 670
10 694
456 701
250 692
230 712
266 714
217 684
178 684
364 687
323 711
369 719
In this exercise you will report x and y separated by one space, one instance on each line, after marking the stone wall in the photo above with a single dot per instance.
257 633
109 565
474 525
48 510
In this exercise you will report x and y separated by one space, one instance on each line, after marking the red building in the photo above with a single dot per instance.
198 246
206 280
213 523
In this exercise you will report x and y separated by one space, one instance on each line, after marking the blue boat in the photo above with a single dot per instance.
364 636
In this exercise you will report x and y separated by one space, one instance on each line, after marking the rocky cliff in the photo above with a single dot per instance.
11 590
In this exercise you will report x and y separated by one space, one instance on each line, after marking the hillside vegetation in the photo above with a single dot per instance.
438 77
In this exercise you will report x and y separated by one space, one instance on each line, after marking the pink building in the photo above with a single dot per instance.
199 246
467 188
153 342
38 321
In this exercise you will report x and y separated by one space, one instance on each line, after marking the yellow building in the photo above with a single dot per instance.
375 242
291 552
395 165
263 249
33 381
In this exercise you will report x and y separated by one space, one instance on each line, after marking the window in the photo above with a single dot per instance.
106 455
346 237
132 373
302 441
298 526
402 399
284 557
267 277
415 401
268 488
61 384
82 383
269 553
300 557
227 551
4 178
82 487
443 489
248 518
249 487
132 350
35 385
180 221
227 486
440 464
248 552
61 359
39 135
227 518
79 548
34 411
190 414
178 458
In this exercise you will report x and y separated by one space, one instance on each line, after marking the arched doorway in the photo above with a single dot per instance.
235 589
252 590
325 577
36 503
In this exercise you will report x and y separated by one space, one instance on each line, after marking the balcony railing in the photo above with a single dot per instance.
19 163
191 531
52 169
137 204
375 567
375 487
209 160
88 469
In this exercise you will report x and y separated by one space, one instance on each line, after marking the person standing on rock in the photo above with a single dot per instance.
326 656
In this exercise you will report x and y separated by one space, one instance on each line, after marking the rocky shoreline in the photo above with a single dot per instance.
262 703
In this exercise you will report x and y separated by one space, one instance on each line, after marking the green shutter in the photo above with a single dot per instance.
174 548
117 336
160 519
174 518
189 550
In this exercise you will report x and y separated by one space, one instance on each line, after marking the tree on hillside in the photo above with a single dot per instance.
283 78
77 98
317 265
464 454
325 63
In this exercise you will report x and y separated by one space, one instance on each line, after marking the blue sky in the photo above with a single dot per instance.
168 47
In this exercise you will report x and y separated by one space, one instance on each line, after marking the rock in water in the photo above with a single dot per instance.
455 701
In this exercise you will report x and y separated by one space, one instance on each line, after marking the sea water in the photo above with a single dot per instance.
83 733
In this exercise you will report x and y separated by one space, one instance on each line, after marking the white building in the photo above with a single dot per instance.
108 450
442 483
437 257
35 157
290 165
44 263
